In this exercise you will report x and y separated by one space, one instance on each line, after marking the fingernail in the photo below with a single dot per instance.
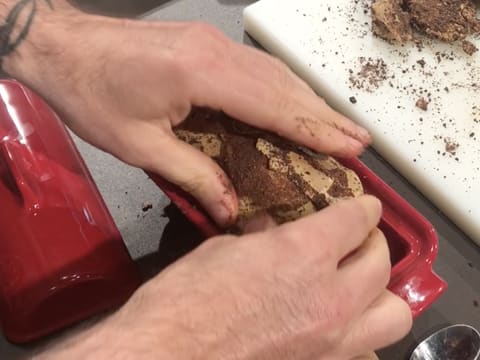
365 135
354 146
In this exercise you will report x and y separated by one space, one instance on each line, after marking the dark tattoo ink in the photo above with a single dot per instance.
7 44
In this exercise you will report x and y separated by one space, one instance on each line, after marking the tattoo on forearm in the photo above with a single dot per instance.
9 44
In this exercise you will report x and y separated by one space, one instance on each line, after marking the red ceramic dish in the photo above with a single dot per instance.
62 258
412 239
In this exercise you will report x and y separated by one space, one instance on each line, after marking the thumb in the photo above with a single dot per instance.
197 174
370 356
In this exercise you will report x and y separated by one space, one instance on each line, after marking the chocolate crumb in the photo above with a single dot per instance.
475 303
421 62
146 207
451 147
469 47
422 104
353 100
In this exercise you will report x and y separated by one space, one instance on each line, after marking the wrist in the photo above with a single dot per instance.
48 36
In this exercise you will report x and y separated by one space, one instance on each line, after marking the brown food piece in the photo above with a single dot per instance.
446 20
269 174
421 62
146 207
390 21
469 47
422 104
451 147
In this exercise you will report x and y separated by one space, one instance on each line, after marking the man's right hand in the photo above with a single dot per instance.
311 289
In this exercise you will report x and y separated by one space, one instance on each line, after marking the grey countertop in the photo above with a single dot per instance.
149 235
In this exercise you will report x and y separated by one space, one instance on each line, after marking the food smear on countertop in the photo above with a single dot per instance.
270 174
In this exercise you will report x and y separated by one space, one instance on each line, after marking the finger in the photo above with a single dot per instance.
340 228
387 321
193 171
370 262
370 356
259 223
266 67
269 105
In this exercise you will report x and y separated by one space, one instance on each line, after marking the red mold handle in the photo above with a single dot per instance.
17 162
419 287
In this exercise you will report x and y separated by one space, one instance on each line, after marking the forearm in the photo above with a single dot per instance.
122 335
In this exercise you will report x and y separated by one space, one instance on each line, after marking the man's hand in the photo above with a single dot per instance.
313 289
122 85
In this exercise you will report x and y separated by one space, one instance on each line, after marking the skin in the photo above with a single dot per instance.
287 292
310 289
124 84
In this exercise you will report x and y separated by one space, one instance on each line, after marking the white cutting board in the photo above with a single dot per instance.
312 37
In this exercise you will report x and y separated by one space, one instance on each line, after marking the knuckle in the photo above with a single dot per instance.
203 36
288 233
206 31
286 243
205 48
204 61
317 245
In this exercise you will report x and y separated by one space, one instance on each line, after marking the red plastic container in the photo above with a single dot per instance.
62 258
412 239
